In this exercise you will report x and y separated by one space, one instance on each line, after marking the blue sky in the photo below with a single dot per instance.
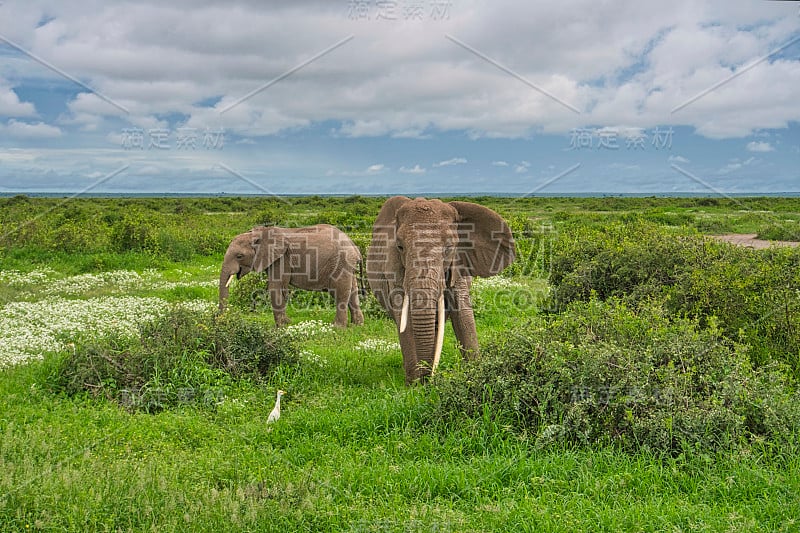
384 97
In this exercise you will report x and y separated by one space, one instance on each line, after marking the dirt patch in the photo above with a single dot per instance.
749 240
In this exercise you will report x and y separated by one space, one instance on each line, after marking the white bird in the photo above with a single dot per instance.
276 411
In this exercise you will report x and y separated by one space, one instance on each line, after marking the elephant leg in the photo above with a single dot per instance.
341 294
466 334
278 295
463 319
356 316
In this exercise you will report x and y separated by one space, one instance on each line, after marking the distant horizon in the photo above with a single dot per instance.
593 194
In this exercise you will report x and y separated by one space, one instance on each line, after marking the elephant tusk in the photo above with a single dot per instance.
230 280
404 314
439 333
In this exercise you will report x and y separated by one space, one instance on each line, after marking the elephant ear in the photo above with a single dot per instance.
382 255
269 245
486 245
383 251
388 212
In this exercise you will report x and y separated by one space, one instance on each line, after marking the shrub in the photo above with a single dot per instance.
244 347
173 246
135 231
534 241
753 294
668 218
250 293
372 308
602 372
632 260
788 230
182 357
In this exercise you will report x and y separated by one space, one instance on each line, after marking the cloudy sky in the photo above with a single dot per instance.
403 96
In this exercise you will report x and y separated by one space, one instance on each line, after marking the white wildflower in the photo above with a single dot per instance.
495 283
28 330
15 278
309 328
378 345
310 358
118 280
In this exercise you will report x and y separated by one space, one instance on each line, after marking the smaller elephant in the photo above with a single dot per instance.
317 257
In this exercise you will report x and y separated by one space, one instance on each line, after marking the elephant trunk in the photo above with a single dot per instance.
425 326
225 279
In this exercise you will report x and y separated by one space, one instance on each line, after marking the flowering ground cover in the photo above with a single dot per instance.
58 310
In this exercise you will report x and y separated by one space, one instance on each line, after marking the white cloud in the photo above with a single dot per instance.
363 128
400 80
24 130
412 133
450 162
416 169
730 167
737 164
522 167
11 106
371 170
760 146
405 80
678 159
627 167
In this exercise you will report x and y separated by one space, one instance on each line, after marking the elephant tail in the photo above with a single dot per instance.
362 285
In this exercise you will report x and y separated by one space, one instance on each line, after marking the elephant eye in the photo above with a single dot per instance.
400 246
239 255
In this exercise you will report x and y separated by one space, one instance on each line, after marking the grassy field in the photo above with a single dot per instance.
356 450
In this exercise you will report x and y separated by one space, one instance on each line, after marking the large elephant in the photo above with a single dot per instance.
420 266
317 257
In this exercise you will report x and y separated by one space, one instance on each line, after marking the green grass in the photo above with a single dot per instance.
354 450
349 454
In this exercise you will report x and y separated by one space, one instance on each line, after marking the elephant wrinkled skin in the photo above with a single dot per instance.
420 266
317 257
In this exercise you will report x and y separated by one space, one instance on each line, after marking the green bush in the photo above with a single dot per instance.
173 246
753 294
788 230
181 358
135 231
534 240
668 218
712 226
245 347
632 260
604 373
372 309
